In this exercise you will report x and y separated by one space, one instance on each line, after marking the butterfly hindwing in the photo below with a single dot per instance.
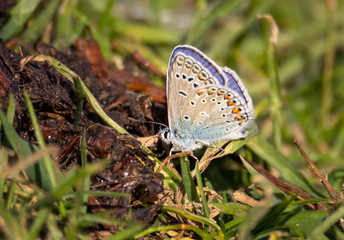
214 114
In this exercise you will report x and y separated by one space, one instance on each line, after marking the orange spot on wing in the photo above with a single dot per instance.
239 119
230 103
200 92
236 110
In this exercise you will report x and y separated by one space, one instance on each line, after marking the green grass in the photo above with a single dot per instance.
295 81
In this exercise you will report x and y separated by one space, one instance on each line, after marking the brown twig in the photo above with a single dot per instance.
323 180
286 187
148 64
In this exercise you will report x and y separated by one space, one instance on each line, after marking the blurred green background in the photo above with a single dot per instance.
296 85
296 82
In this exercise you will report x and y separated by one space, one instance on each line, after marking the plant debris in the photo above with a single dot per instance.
129 169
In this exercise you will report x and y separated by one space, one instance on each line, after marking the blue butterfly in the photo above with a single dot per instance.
206 103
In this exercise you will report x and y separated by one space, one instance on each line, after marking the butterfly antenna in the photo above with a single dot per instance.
155 135
152 122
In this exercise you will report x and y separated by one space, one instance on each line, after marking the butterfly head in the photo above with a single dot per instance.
179 142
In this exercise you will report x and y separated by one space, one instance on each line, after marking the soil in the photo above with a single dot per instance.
125 97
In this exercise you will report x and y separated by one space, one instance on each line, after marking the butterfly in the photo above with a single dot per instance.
206 103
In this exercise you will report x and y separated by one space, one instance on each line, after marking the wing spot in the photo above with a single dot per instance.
228 96
183 76
236 110
190 79
196 68
221 92
210 91
192 103
230 103
188 63
183 93
186 117
180 60
195 85
223 115
203 76
240 119
213 100
200 123
204 101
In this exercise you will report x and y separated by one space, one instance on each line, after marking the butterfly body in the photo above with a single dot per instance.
206 103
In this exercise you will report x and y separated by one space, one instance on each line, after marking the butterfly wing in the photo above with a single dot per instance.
214 114
206 103
235 83
189 69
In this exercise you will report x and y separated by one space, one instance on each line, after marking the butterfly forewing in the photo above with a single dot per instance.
188 70
235 83
206 103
